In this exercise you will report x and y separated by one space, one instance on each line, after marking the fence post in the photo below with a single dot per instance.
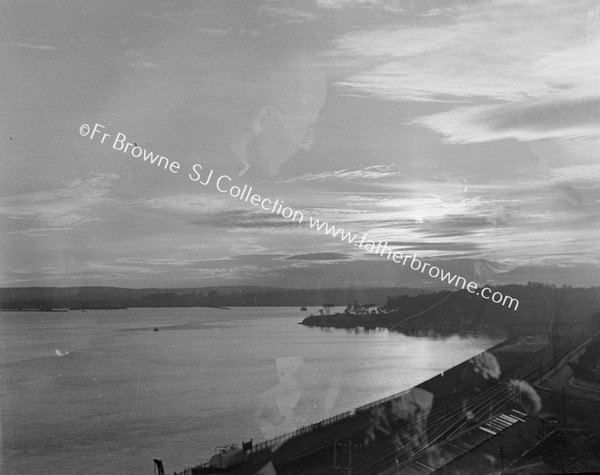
564 408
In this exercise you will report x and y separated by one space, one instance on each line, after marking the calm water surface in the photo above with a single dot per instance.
100 392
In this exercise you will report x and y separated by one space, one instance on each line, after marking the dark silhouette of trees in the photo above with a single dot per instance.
327 308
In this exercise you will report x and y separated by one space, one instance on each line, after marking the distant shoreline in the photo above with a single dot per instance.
99 298
64 310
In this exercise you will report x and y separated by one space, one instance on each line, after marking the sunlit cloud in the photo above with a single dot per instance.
171 17
191 203
529 72
319 256
576 173
554 118
213 31
339 4
373 172
70 205
216 211
464 132
34 46
288 14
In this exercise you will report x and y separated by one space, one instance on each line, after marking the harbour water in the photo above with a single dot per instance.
101 392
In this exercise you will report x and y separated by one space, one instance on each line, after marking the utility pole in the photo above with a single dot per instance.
564 408
336 457
334 465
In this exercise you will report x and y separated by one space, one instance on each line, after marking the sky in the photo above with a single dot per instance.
465 132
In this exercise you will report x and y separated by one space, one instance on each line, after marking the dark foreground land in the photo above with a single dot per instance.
503 411
513 409
542 309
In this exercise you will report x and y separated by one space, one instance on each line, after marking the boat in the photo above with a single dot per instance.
303 309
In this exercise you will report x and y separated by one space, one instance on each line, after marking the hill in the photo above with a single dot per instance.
231 296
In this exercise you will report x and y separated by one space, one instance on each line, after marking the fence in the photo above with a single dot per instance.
310 428
318 425
325 422
301 431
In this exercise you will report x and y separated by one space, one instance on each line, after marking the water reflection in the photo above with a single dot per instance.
469 405
434 334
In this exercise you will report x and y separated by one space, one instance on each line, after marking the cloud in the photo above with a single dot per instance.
518 70
198 203
71 205
428 245
288 14
34 46
388 44
244 219
145 65
576 174
216 211
213 31
374 172
137 59
39 232
533 219
171 17
319 256
527 121
260 256
339 4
